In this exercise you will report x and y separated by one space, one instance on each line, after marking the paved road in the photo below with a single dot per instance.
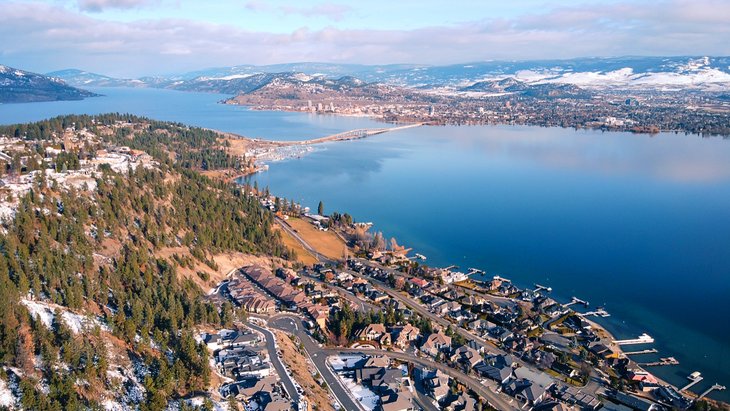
276 361
421 399
292 324
286 227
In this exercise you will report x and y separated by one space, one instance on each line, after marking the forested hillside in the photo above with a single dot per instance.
98 255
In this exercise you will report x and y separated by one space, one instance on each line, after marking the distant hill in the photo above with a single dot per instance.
509 84
696 72
303 87
539 90
82 78
18 86
646 73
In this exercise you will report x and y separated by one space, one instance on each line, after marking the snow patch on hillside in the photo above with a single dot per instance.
47 312
692 75
7 399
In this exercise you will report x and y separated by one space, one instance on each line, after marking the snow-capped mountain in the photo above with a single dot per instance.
82 78
18 86
699 73
651 73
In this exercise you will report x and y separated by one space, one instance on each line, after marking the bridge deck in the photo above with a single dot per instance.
347 135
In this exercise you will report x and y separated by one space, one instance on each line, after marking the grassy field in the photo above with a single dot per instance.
303 256
326 243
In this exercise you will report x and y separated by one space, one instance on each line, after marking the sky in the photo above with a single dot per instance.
132 38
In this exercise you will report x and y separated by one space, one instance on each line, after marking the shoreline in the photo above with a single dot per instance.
645 129
635 365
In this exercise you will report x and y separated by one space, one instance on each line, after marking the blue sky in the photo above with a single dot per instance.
284 16
146 37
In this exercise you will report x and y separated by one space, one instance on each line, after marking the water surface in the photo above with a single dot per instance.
636 223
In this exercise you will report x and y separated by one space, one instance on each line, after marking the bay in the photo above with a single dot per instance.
636 223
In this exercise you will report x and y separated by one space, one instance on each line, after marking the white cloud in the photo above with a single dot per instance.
97 6
43 37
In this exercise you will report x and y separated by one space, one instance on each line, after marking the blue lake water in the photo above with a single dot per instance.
635 223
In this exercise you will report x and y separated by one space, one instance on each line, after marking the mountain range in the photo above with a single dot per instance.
19 86
704 73
540 78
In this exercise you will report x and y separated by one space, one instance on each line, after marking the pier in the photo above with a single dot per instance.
539 287
451 267
694 378
661 362
598 313
472 271
642 339
717 387
649 351
576 300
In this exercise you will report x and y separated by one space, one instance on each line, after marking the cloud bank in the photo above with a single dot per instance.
42 37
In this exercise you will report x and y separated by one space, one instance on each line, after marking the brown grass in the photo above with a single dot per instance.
303 256
326 243
226 263
238 146
318 397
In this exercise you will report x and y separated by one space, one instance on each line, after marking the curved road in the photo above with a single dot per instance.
291 389
294 325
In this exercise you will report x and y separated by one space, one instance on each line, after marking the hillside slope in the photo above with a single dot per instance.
18 86
103 256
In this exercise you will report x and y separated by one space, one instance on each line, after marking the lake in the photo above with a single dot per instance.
638 224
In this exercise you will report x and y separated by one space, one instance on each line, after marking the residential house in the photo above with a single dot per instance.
436 383
371 332
405 335
435 343
467 356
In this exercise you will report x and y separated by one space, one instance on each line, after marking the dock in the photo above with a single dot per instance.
473 271
576 300
717 387
539 287
649 351
694 378
598 313
661 362
642 339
